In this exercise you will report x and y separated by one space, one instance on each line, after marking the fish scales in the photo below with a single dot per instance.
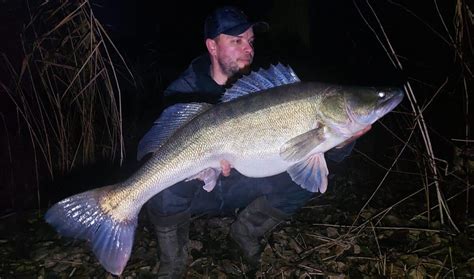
284 128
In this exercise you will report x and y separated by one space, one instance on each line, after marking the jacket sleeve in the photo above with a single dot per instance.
185 90
179 91
180 85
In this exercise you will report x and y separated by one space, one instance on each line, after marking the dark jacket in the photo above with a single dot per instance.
195 84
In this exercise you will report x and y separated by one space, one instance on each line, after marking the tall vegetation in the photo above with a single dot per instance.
67 92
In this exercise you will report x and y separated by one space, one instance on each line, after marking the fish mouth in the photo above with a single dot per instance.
382 107
389 104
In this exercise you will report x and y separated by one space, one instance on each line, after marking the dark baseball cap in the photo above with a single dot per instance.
230 20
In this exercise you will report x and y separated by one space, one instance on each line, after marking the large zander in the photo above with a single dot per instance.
269 122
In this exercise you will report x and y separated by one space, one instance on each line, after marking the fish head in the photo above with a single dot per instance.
365 105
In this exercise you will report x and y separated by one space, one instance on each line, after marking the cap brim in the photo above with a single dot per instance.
258 27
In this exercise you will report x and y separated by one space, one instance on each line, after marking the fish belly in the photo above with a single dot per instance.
261 167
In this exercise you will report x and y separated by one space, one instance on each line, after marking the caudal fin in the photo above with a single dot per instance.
80 216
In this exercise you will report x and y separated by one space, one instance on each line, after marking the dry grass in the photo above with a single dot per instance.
419 139
67 92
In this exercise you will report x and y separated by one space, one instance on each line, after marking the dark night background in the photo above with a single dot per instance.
322 40
326 41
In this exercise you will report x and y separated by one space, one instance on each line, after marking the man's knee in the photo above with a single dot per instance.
173 200
289 197
279 190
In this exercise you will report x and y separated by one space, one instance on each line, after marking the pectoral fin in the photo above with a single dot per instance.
298 147
208 176
311 174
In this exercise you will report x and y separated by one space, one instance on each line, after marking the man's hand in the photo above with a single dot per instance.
225 166
354 137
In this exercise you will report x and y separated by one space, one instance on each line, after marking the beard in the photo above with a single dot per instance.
231 68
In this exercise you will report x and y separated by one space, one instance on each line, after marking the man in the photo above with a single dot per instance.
266 202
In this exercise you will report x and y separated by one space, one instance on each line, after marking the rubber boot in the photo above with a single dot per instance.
258 218
172 233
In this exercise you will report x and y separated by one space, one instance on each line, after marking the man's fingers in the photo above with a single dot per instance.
225 166
361 132
355 136
365 130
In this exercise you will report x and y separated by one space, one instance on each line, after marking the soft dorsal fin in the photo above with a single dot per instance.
261 80
170 120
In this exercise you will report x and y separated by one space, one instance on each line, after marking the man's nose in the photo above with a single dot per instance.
248 48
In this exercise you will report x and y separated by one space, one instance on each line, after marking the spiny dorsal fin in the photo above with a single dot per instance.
263 79
169 121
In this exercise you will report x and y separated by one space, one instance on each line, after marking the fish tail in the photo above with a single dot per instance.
80 216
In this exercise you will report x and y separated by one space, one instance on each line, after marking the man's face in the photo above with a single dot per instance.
235 53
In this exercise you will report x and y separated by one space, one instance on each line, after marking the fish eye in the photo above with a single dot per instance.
381 94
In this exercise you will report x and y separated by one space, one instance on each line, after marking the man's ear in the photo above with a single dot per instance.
211 46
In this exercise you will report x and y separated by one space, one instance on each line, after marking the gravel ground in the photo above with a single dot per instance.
318 242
